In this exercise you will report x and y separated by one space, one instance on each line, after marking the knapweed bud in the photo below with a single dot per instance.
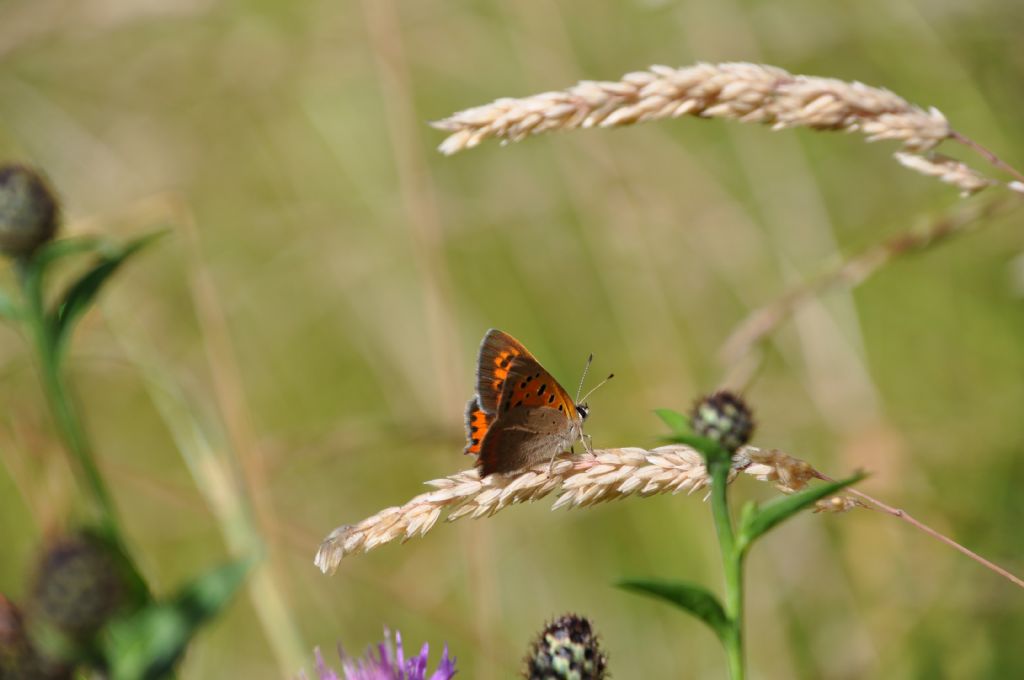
19 660
567 649
80 583
724 418
28 210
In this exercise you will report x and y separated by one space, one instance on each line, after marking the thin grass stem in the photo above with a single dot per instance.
732 564
987 154
878 505
68 424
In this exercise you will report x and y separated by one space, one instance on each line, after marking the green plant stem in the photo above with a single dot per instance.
732 563
68 425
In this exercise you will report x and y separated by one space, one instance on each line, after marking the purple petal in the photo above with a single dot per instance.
388 663
446 669
400 655
322 670
416 667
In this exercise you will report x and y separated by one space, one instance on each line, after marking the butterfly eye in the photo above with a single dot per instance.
583 410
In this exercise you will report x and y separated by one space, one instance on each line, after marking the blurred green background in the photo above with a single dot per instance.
312 323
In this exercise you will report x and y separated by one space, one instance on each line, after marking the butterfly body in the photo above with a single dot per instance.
521 415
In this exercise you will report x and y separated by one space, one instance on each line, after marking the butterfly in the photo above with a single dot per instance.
520 415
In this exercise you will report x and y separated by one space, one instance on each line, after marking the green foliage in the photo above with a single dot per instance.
147 644
677 422
66 247
692 598
81 294
90 606
756 521
727 620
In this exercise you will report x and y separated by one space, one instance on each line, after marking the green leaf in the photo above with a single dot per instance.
81 294
697 600
32 270
61 248
754 523
147 644
678 422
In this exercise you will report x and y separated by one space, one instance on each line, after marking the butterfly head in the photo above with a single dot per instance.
581 406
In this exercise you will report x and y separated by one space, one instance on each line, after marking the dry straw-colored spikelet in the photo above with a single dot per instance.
945 169
749 93
581 481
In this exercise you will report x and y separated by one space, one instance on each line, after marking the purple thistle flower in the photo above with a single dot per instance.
389 663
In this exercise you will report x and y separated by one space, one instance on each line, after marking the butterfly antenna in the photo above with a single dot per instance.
594 388
586 367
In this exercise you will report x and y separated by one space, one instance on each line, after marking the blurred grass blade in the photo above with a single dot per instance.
82 293
9 308
696 600
758 521
676 421
147 644
201 444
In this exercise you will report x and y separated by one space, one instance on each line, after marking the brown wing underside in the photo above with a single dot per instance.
521 438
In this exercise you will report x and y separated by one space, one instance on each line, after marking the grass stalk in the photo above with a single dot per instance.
732 563
58 397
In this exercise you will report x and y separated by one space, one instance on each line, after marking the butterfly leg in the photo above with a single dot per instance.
588 443
551 463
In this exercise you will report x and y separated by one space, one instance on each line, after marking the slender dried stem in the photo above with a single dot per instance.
875 504
988 155
762 322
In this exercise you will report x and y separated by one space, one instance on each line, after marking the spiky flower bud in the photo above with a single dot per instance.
28 210
724 418
80 583
567 649
19 659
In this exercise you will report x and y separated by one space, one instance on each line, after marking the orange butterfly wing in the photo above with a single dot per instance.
478 422
510 379
497 350
528 385
536 418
